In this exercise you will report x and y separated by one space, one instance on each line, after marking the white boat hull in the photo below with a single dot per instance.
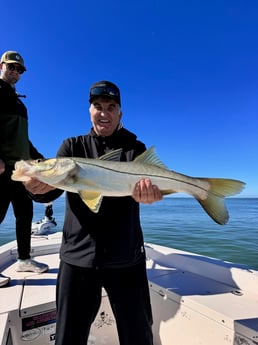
195 299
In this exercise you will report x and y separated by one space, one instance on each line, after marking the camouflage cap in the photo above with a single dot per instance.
12 57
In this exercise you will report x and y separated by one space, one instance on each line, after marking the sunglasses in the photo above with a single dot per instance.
12 67
104 90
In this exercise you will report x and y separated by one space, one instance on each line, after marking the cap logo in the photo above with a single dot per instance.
18 57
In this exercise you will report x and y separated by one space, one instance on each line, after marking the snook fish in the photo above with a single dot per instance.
93 179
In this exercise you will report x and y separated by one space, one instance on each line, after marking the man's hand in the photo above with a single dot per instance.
35 186
146 193
2 166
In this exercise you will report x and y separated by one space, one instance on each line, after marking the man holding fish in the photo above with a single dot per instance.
102 242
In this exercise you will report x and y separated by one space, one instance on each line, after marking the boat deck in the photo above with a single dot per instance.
195 299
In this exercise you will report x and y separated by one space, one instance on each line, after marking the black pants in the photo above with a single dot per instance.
79 298
16 194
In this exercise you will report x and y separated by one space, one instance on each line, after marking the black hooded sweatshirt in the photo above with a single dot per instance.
113 236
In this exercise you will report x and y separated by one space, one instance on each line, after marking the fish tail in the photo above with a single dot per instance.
214 204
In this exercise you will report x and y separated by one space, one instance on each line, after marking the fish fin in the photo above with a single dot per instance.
150 157
214 204
112 155
167 191
91 199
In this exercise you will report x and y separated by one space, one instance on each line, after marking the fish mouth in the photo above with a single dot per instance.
24 170
21 174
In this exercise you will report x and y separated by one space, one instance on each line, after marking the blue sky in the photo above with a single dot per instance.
187 71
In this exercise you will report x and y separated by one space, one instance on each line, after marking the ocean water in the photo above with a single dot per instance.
181 223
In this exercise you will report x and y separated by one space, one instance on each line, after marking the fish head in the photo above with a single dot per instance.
50 171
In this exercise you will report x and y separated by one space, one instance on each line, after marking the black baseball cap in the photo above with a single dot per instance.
105 88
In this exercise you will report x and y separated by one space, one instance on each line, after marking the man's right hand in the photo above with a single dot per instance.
35 186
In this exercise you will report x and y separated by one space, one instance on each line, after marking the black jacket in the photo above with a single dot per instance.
113 236
14 138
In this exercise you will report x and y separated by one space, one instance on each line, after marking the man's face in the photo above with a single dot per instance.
10 75
105 115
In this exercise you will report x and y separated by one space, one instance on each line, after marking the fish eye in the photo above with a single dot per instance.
39 160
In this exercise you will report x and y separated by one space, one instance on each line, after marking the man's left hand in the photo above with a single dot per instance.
146 193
